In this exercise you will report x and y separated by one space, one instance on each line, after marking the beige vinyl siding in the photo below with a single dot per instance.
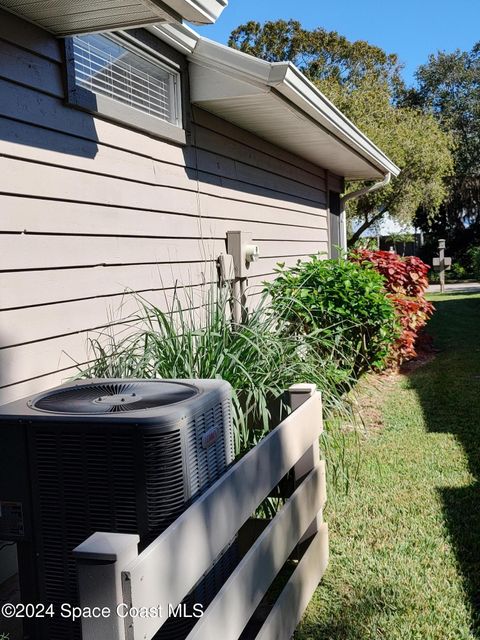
89 209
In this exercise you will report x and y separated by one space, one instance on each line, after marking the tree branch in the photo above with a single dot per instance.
367 224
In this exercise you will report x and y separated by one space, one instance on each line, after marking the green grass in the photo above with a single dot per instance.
405 540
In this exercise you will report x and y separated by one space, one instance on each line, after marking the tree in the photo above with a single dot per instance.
365 83
449 89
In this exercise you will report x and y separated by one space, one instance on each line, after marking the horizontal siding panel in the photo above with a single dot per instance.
28 142
92 316
27 215
51 321
253 194
248 139
36 359
25 251
229 169
22 214
210 141
29 288
33 288
28 105
47 380
32 360
37 252
62 151
44 181
267 266
29 37
30 69
237 209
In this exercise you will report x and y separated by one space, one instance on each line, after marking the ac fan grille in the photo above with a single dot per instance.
114 397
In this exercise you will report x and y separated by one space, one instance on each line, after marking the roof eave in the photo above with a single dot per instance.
244 75
292 83
71 17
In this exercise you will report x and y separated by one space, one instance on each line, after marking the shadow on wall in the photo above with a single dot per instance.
75 132
221 159
449 391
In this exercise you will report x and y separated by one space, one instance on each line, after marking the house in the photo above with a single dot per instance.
129 147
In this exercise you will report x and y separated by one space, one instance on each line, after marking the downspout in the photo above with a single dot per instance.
358 194
362 192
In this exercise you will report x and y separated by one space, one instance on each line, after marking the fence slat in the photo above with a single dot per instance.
292 602
100 560
241 594
165 572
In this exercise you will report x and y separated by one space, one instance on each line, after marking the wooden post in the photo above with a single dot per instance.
442 264
300 393
100 561
441 253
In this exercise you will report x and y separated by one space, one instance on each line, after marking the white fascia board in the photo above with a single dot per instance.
291 83
240 74
179 36
231 62
198 11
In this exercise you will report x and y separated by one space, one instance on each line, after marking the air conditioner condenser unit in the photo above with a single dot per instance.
124 456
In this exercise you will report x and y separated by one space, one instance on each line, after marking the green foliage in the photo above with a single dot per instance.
364 82
321 55
457 272
192 340
342 300
474 258
449 89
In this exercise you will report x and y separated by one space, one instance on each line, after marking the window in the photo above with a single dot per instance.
119 80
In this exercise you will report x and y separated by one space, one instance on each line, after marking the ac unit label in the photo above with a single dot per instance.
210 437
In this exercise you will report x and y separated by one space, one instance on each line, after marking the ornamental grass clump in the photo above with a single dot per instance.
195 338
406 282
342 302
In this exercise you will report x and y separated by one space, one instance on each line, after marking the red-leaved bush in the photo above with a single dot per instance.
406 283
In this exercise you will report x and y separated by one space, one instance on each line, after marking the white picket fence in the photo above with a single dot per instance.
111 572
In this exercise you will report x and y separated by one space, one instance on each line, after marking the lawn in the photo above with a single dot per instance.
405 540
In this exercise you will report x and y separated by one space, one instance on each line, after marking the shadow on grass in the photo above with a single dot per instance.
359 617
448 389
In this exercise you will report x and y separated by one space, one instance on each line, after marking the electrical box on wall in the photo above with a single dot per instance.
226 268
242 250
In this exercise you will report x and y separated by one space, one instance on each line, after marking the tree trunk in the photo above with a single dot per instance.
364 226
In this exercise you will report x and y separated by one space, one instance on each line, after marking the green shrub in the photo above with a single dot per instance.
340 300
196 339
474 257
457 272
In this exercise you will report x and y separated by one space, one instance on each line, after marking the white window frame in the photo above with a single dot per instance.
123 113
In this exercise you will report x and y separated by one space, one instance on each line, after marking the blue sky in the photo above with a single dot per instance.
411 28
